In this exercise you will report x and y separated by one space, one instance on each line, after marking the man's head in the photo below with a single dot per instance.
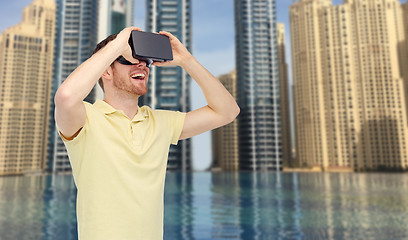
98 47
124 75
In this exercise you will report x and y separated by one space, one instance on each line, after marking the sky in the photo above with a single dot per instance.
213 46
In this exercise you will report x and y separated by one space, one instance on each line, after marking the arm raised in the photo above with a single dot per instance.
221 109
70 113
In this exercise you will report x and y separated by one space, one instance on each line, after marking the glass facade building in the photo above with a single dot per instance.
260 141
169 87
114 15
76 38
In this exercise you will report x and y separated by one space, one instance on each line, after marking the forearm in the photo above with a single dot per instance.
81 81
217 97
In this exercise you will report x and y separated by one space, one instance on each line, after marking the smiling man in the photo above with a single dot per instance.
118 150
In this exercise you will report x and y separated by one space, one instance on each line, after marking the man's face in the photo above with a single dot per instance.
131 78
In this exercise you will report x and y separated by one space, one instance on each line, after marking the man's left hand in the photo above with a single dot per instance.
180 53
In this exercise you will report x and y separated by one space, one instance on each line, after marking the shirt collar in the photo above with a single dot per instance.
108 109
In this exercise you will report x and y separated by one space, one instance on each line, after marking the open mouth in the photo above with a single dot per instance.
138 76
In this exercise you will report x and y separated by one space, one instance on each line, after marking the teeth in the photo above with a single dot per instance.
138 75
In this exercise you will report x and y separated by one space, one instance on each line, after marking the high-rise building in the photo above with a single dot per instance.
169 87
348 90
225 139
284 96
26 59
260 139
114 15
76 38
405 13
404 60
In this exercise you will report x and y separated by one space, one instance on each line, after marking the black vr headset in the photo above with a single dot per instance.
150 47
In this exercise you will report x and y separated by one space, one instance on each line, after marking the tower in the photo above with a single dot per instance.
349 95
259 123
26 59
225 138
169 87
113 16
76 38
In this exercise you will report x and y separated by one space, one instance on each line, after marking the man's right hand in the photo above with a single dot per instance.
123 43
70 112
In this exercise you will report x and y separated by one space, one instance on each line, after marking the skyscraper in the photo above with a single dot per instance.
114 15
307 90
225 139
348 88
404 60
260 139
76 38
168 87
284 96
26 57
405 13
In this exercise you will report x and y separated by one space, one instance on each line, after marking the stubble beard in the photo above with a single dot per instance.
128 87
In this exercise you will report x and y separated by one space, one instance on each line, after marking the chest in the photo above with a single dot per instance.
121 134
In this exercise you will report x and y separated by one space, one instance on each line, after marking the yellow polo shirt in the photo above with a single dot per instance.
119 168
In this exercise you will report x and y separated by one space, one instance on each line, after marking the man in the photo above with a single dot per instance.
118 150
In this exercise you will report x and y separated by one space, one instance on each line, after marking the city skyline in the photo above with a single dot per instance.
215 53
346 179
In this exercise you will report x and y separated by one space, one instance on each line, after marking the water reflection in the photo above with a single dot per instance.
37 207
354 206
229 206
178 210
255 206
60 197
309 206
225 210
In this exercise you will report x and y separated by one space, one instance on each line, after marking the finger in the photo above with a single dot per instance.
133 28
130 58
130 29
157 64
133 60
166 34
161 64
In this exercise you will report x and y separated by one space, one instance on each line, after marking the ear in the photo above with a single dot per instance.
108 74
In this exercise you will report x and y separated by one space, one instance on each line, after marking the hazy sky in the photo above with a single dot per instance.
213 46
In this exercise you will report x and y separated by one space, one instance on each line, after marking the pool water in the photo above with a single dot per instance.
228 205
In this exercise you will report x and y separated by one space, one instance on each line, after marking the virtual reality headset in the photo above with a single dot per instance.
150 47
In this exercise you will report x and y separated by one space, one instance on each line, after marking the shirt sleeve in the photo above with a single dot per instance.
75 147
176 124
78 137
